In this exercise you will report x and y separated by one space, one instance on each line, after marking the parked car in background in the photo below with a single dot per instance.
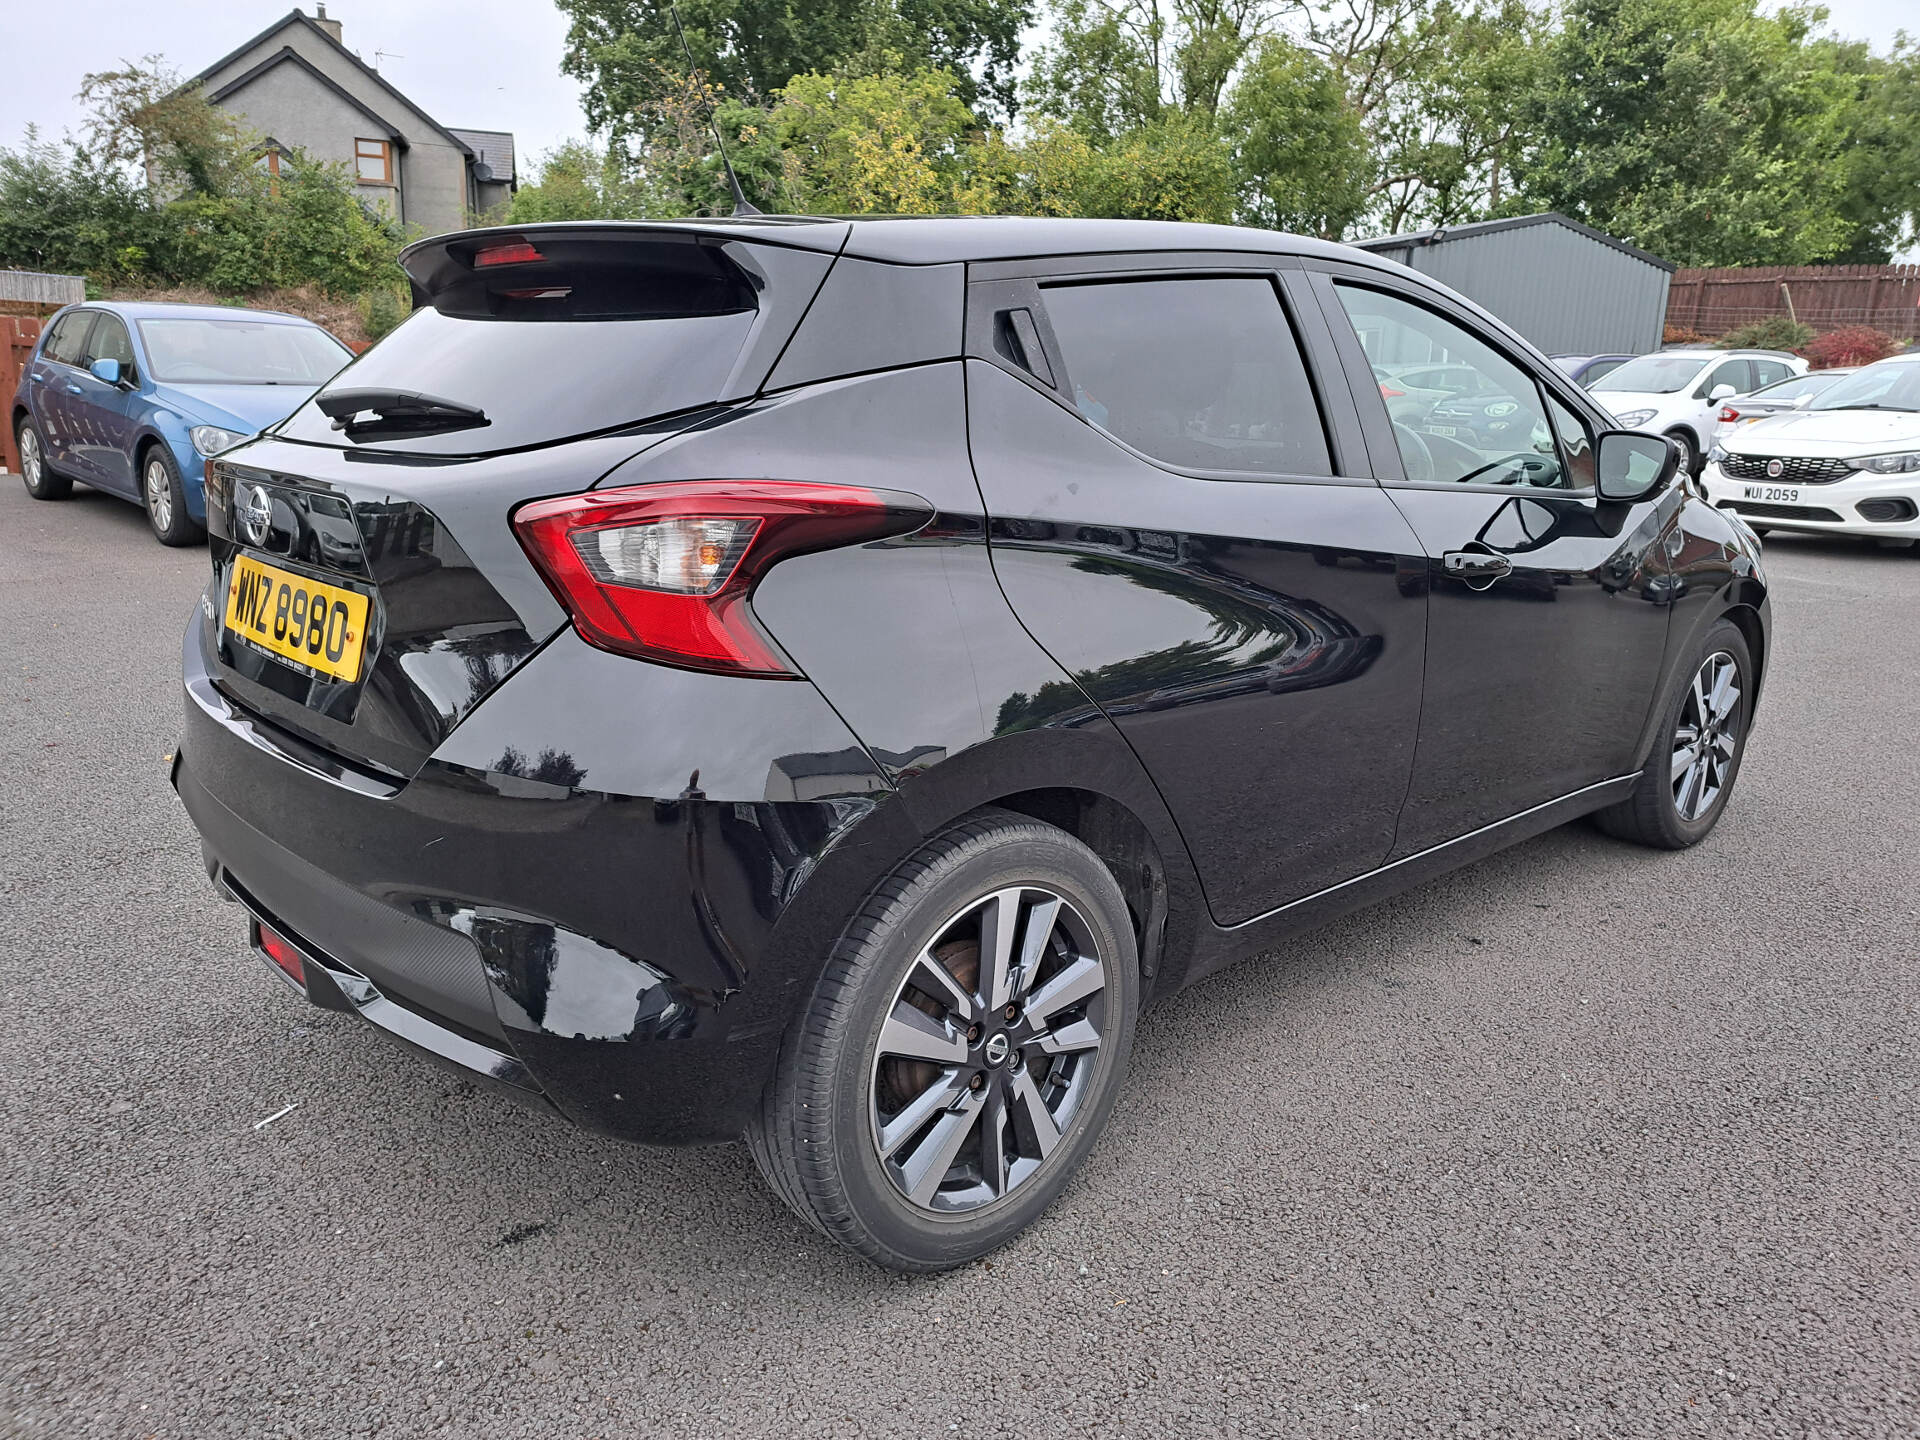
1790 394
1847 463
819 679
1678 393
134 399
1586 369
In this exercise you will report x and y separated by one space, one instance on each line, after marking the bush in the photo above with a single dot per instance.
63 210
1684 335
1850 345
381 311
1776 332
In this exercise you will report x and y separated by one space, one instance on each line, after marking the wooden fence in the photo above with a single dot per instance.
1887 297
18 335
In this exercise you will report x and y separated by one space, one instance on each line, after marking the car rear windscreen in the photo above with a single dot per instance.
550 339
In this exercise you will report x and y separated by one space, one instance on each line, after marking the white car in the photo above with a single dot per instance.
1678 393
1846 464
1794 393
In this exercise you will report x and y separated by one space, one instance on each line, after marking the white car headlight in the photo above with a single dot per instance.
1904 463
1635 417
210 440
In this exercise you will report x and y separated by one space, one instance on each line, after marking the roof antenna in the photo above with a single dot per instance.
741 206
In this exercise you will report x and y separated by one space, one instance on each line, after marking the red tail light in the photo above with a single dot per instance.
1728 414
1390 393
516 252
665 572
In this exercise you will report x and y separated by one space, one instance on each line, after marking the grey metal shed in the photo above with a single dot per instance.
1565 286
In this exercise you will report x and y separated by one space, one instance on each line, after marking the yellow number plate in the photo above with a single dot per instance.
311 623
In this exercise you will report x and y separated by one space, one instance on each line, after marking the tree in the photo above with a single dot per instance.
873 144
1171 169
1713 134
1301 159
629 56
1116 65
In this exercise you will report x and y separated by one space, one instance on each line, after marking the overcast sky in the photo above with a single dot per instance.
483 64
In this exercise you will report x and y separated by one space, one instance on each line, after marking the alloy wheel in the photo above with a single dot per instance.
1707 738
159 496
988 1050
30 461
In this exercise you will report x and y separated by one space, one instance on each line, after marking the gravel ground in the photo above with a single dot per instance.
1581 1141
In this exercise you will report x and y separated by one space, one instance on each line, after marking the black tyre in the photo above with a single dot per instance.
165 499
1689 452
41 482
962 1050
1683 791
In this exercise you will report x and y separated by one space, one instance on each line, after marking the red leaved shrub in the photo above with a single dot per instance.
1850 345
1684 335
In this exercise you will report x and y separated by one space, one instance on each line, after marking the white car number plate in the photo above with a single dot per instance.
1773 494
1444 431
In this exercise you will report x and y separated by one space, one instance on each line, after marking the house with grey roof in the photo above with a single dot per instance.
299 86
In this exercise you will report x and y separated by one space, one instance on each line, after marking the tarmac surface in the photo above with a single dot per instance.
1583 1140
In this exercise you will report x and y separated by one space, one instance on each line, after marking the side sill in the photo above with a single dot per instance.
1223 946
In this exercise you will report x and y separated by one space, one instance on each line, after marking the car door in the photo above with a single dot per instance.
56 384
103 415
1180 514
1543 649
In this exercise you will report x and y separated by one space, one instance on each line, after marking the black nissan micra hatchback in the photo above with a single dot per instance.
817 681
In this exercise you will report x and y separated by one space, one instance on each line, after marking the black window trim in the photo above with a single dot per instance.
995 287
1326 275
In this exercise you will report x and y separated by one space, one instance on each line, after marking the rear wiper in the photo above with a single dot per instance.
390 413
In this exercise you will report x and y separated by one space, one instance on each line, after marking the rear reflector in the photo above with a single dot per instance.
665 572
279 950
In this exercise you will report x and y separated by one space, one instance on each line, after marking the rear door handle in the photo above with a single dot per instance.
73 389
38 378
1473 565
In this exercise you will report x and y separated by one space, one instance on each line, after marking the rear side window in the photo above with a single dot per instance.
1769 372
1737 373
1202 374
69 338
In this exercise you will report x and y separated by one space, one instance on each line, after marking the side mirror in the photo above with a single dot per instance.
106 371
1630 466
1721 392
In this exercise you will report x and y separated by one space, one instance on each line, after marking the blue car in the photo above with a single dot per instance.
133 399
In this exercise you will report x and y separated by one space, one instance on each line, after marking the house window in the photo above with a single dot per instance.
373 162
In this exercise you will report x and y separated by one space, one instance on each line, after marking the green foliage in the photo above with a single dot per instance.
1776 332
210 214
62 210
382 309
1169 170
1714 134
628 55
873 144
575 182
1301 159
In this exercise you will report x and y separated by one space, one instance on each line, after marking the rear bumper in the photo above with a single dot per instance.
633 960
